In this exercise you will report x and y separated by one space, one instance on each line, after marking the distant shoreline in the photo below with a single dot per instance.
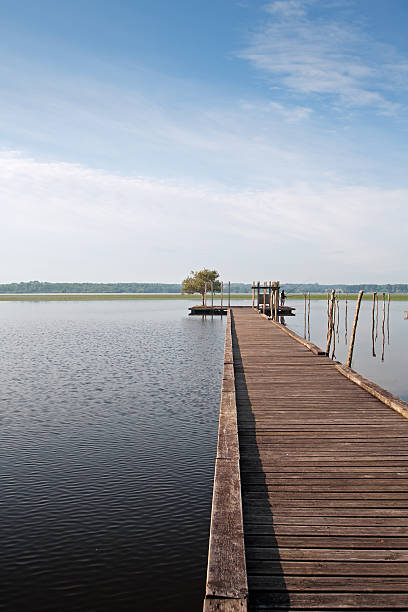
82 297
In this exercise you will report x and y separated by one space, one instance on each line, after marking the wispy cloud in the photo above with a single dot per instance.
325 55
121 224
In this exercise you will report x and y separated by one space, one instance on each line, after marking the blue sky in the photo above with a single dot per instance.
141 139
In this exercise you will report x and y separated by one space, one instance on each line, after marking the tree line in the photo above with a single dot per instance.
46 287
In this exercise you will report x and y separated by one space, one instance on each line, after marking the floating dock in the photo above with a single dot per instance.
310 501
204 310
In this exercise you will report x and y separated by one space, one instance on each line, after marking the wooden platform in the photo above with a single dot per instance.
204 310
324 480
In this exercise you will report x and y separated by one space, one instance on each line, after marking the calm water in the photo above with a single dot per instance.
389 366
109 427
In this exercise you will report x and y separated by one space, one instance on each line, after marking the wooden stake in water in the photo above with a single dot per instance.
334 328
205 294
338 318
264 298
330 322
382 327
345 320
305 317
212 294
376 319
353 331
373 337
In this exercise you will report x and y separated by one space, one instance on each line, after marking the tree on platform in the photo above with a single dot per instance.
198 281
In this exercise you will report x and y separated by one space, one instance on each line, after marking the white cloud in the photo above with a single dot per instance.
325 57
150 228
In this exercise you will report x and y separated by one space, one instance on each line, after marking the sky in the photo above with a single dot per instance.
142 139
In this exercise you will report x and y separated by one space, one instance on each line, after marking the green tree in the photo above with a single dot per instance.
196 282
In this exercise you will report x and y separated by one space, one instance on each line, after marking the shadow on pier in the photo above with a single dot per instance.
266 582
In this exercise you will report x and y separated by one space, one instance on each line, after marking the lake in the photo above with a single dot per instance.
109 419
109 429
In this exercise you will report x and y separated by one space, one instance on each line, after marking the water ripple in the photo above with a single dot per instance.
109 419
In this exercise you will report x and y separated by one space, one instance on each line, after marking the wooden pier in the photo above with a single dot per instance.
310 502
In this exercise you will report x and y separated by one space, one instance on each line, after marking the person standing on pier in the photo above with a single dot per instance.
283 297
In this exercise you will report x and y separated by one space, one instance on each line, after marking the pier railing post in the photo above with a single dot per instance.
229 294
222 292
353 331
264 298
330 324
253 294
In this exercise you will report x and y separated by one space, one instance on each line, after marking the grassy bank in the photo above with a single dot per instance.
84 297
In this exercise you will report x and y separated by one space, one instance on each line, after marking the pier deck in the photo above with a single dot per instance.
324 484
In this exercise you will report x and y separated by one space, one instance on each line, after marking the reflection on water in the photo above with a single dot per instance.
380 351
109 417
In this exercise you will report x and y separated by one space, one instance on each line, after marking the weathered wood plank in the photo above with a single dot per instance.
225 605
226 569
326 554
329 583
331 601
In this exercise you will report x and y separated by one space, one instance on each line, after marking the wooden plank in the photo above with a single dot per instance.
226 569
327 568
323 601
310 541
329 583
225 605
226 573
326 554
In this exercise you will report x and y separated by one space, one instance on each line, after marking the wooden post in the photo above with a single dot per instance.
229 294
257 297
253 294
205 294
305 316
388 319
345 320
276 300
376 319
333 324
264 298
353 331
383 328
338 318
330 322
222 293
308 317
373 326
270 299
212 295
